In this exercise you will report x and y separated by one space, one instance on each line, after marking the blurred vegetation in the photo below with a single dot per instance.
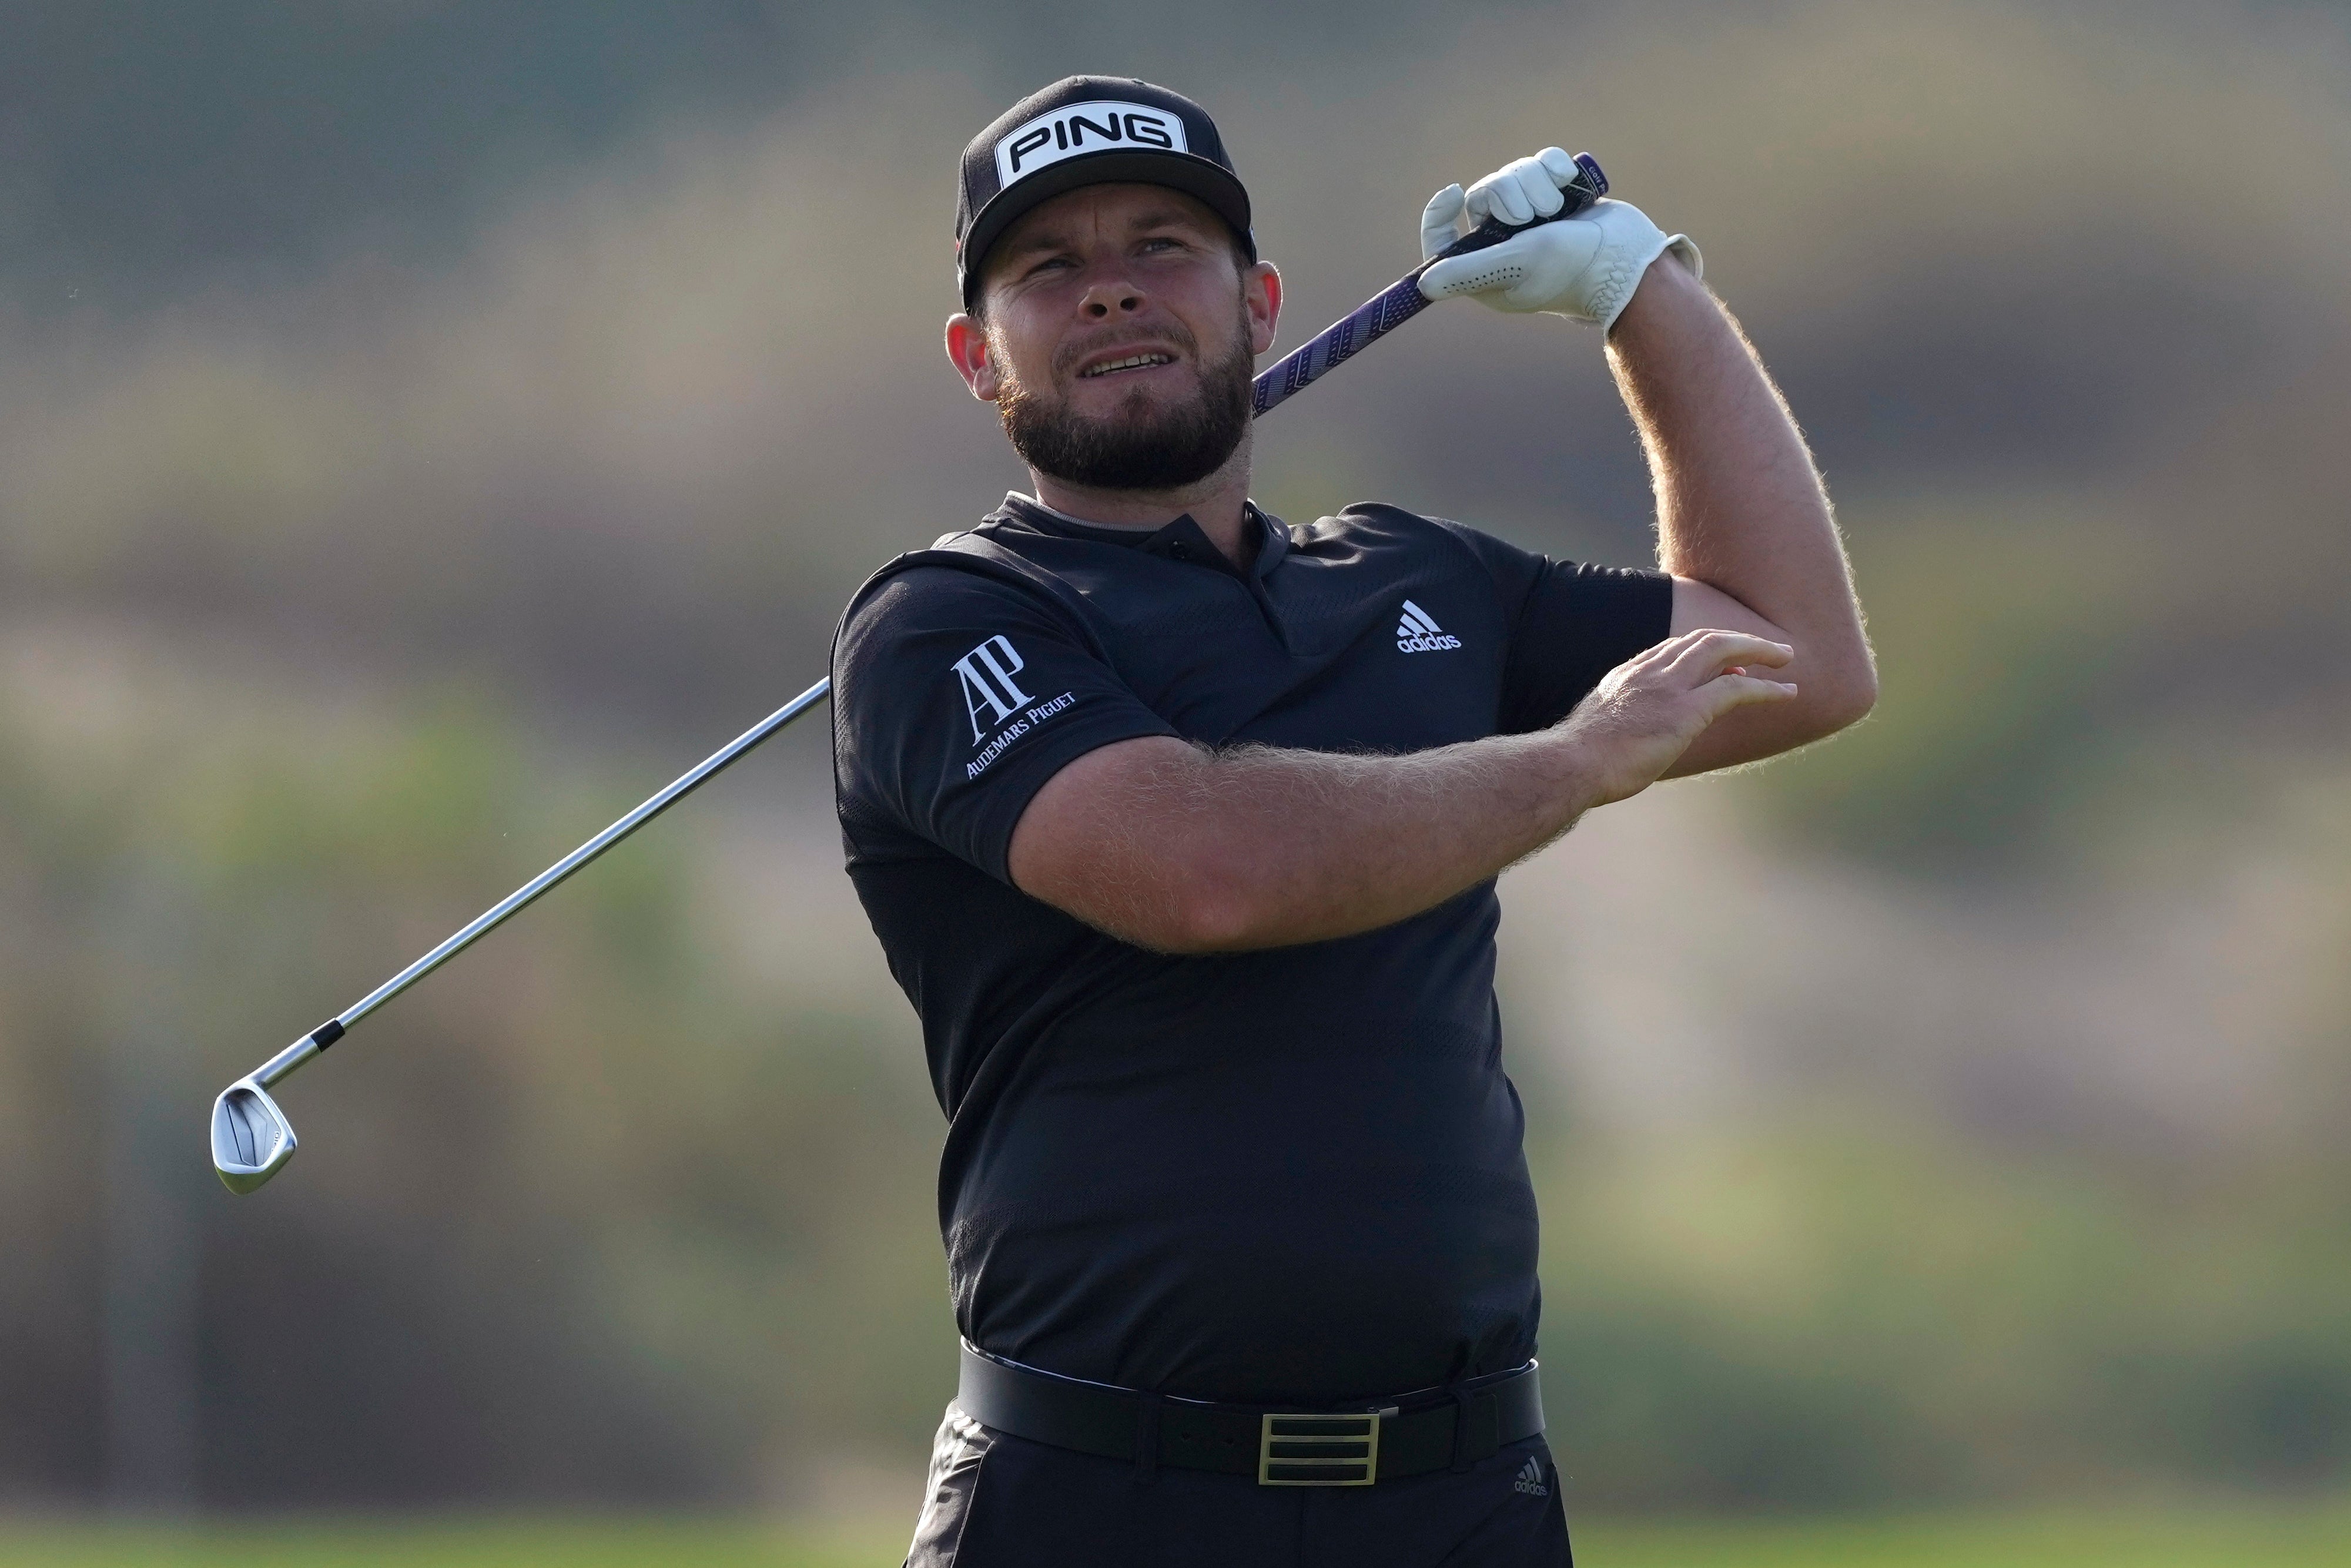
422 435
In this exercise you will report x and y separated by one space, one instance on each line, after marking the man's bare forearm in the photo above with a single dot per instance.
1187 850
1740 505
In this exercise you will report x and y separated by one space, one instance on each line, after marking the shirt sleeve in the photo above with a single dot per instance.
955 697
1570 623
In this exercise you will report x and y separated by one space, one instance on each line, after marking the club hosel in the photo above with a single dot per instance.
280 1067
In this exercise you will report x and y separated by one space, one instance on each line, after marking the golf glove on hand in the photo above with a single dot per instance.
1584 268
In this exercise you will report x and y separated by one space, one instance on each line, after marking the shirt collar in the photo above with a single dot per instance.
1179 540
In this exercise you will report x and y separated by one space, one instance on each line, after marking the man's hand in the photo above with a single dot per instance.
1644 712
1584 268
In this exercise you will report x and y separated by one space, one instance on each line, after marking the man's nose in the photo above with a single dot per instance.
1110 297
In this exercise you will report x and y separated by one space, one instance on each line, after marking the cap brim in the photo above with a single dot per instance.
1194 177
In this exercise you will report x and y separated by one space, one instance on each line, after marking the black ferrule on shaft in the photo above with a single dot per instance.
327 1033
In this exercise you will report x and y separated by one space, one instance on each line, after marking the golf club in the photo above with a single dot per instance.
252 1139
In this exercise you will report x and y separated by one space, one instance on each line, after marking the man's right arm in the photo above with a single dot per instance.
1174 847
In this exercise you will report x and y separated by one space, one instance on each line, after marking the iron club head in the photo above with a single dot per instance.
252 1140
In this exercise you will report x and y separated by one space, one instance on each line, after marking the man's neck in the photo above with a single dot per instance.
1218 504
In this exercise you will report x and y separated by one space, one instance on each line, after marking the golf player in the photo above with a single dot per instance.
1180 822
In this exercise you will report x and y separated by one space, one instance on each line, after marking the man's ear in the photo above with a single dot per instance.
1262 297
967 352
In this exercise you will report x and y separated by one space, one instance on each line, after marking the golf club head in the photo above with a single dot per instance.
252 1139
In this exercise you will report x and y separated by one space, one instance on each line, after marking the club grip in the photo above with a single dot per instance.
1402 300
1588 186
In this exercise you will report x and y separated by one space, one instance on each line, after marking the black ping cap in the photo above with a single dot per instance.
1090 130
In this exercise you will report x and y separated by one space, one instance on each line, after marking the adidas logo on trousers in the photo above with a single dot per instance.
1418 633
1530 1478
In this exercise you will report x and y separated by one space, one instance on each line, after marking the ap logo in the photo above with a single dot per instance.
986 674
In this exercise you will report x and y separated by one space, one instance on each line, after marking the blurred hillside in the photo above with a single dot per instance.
425 428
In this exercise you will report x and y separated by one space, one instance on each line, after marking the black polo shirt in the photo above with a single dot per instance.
1287 1176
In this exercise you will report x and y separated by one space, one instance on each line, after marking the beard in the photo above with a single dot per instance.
1137 446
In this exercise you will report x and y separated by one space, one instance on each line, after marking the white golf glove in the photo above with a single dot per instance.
1584 268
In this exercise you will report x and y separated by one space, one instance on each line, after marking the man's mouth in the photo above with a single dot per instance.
1128 363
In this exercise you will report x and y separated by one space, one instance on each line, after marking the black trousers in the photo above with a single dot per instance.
1000 1502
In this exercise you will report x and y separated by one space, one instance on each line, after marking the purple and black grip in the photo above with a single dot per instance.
1402 300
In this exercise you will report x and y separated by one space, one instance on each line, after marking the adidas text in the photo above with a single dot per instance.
1418 633
1530 1478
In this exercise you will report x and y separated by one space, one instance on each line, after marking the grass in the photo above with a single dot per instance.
449 1542
2221 1536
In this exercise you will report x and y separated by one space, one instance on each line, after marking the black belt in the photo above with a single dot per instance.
1452 1429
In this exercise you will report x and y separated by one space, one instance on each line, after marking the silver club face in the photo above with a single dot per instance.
252 1140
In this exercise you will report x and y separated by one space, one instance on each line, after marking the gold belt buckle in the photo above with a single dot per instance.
1296 1450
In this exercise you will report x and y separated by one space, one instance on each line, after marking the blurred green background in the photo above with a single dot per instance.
427 426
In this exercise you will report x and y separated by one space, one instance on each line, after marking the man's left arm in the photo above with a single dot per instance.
1743 522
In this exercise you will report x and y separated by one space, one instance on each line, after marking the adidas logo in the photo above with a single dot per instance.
1530 1478
1417 633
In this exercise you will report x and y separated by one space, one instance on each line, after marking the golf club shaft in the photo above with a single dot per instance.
490 919
1392 306
1402 300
